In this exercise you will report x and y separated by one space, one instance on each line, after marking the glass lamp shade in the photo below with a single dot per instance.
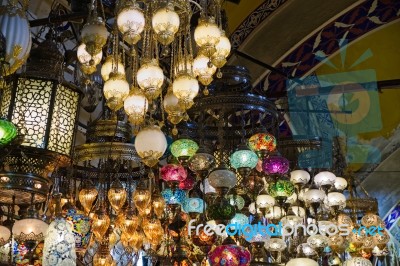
265 201
8 132
201 161
173 173
239 218
275 213
223 48
207 36
103 260
81 225
377 252
314 196
281 188
357 238
306 250
343 219
135 106
88 62
5 235
86 197
202 69
193 205
172 107
184 148
302 262
336 199
109 66
150 78
116 196
275 244
115 90
222 178
252 208
357 261
299 177
153 230
382 239
158 204
370 219
318 241
324 178
221 211
206 188
244 159
59 244
340 183
165 24
131 22
292 199
185 87
336 242
29 229
94 34
101 222
174 197
262 142
188 183
275 165
229 255
141 198
236 200
150 144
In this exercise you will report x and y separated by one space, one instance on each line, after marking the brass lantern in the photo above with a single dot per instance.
45 110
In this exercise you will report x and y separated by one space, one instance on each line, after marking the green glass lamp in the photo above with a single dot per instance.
244 160
281 190
183 149
8 132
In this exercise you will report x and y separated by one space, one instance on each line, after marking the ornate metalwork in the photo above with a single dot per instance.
360 206
108 130
106 150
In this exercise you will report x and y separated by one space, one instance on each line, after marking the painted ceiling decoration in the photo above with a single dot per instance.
355 23
253 20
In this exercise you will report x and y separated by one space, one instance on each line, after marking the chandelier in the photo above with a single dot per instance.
152 41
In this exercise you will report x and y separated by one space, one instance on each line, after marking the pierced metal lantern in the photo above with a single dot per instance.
45 110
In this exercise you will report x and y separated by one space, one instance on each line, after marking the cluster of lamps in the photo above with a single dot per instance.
153 26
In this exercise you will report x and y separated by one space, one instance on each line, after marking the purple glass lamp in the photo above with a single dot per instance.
275 164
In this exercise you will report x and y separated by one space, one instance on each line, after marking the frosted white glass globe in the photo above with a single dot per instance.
340 183
324 178
85 58
135 106
223 48
302 262
207 35
165 24
299 177
131 22
314 196
219 178
150 78
265 201
150 144
115 90
203 70
29 229
357 261
336 199
94 34
5 235
109 66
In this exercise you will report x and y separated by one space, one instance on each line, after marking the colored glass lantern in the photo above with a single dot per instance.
141 198
262 144
222 179
8 132
116 195
244 158
188 183
229 255
59 244
173 173
275 244
370 219
239 218
236 200
221 211
81 228
281 188
174 197
183 149
193 205
275 165
201 161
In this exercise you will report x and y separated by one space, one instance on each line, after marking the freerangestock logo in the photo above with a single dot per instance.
248 231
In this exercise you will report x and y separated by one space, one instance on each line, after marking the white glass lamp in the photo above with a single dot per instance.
150 144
